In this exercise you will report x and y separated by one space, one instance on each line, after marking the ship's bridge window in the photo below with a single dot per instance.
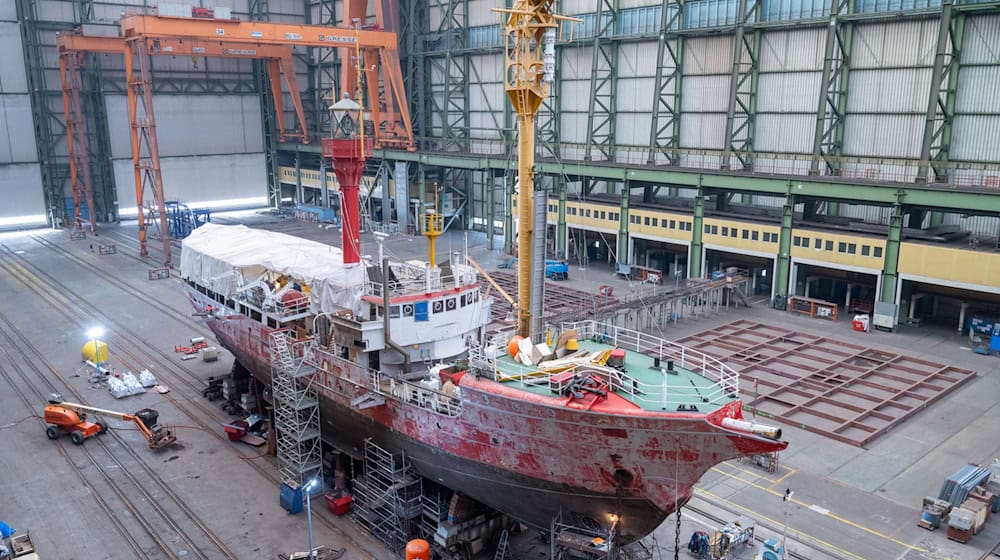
394 312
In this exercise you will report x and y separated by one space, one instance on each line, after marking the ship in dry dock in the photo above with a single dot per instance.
610 424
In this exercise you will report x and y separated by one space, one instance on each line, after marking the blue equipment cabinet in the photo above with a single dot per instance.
291 496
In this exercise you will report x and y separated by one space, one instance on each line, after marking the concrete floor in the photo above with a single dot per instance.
230 487
849 502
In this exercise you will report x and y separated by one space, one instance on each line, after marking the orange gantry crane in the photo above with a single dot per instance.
145 35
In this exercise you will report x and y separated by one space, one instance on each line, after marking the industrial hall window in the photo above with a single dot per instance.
753 235
841 247
829 245
673 224
819 243
746 234
866 250
646 221
877 252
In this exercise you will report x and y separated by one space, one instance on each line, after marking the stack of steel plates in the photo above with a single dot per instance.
957 487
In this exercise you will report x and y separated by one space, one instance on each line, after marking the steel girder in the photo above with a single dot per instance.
548 120
450 100
742 111
99 141
665 128
975 201
936 146
323 71
50 129
414 63
831 114
259 12
602 109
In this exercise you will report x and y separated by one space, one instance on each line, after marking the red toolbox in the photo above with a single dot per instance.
339 506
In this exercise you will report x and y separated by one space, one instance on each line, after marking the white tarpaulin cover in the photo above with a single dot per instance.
212 252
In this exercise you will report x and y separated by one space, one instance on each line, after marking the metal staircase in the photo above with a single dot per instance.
296 410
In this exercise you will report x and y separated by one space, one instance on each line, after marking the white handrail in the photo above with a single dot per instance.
725 380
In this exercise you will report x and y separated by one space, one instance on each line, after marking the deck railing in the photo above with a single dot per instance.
665 395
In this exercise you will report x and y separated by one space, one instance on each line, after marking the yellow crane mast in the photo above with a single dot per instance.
530 69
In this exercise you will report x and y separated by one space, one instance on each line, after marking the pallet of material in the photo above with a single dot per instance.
959 535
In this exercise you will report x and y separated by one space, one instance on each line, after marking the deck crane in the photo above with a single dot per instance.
71 418
530 70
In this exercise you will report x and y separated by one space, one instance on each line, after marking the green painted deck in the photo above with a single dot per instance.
685 387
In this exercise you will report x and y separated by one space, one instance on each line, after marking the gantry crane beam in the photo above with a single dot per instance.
72 46
391 113
144 36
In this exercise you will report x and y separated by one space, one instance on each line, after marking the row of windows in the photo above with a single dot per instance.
842 246
657 222
748 234
587 213
733 232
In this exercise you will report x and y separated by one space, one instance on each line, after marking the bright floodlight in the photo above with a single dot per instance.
311 484
95 332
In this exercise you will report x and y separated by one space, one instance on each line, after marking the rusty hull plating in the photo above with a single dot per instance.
525 454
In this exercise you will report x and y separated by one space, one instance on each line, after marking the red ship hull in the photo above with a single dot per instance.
527 455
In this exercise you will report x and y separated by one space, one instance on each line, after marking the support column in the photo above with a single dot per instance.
561 240
828 140
742 110
324 188
891 261
422 195
961 317
298 179
602 109
783 266
508 216
401 178
382 180
665 128
622 255
847 300
491 216
936 145
697 228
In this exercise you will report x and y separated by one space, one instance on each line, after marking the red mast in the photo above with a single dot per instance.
347 151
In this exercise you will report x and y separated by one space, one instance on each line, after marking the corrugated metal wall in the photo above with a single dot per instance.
889 88
222 133
887 101
20 177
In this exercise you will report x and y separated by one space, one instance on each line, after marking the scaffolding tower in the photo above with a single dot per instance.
296 408
389 498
